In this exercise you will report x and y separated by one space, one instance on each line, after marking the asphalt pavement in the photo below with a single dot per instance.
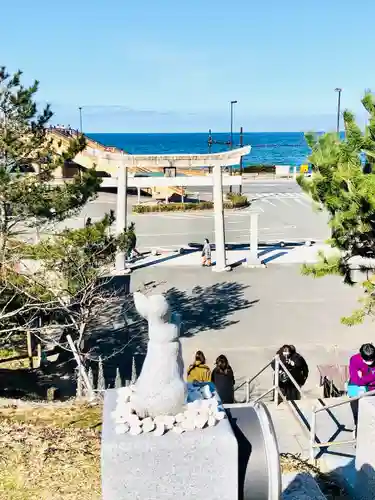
285 214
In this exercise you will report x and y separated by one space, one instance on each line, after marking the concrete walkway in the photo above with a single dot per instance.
297 254
248 314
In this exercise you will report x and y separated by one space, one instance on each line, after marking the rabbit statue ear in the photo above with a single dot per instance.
142 304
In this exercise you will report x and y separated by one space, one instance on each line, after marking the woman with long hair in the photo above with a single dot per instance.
296 366
223 378
199 371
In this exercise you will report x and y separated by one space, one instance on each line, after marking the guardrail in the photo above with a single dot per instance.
275 388
313 443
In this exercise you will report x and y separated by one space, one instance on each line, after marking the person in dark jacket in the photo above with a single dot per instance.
223 378
297 367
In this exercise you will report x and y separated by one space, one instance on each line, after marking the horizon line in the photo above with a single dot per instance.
206 132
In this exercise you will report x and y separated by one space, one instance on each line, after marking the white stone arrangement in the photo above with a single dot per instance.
202 411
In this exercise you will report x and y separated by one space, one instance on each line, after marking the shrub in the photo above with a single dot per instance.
234 200
173 207
256 169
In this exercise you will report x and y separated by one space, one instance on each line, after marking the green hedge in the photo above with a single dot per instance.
257 169
238 199
234 200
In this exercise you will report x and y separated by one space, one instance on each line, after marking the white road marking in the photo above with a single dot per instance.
152 235
269 202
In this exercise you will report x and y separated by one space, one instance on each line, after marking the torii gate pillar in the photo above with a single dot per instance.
221 260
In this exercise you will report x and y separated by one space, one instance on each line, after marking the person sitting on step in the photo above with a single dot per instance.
199 371
223 378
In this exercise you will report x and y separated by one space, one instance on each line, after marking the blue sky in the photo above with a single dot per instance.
167 66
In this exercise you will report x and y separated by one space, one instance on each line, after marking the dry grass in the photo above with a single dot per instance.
50 453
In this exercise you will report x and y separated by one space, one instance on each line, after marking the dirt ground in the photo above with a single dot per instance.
52 452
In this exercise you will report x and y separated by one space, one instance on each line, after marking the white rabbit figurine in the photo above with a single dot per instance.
160 388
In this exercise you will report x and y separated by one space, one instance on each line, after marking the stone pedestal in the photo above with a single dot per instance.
196 464
365 452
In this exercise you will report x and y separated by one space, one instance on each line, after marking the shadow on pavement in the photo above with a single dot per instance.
208 308
118 335
163 259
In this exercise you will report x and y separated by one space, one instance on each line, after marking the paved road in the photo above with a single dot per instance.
251 187
285 214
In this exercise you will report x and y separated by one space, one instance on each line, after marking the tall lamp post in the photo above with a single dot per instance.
80 119
232 103
241 160
338 90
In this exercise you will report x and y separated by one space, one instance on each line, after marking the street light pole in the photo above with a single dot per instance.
338 90
232 103
80 119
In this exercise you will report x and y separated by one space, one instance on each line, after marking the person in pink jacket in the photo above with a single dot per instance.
362 373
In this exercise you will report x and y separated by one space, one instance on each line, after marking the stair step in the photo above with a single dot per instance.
333 425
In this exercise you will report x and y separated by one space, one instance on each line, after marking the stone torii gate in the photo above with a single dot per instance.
214 160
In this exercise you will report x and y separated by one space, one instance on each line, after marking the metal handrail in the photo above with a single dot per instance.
340 403
275 387
248 381
261 371
315 411
299 389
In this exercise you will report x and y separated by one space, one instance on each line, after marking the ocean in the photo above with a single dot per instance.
267 148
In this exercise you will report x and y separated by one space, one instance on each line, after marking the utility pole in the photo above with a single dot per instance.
338 90
80 119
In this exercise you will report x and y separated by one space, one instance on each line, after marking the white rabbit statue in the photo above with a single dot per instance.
160 388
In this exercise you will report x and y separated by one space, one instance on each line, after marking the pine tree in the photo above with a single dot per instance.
29 198
28 161
342 186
